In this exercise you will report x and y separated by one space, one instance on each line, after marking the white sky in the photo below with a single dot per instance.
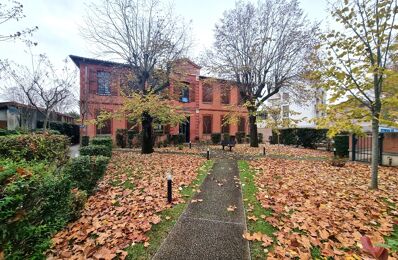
59 22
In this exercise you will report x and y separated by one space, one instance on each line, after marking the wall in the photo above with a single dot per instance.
196 109
390 148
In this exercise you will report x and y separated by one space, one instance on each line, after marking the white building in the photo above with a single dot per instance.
302 113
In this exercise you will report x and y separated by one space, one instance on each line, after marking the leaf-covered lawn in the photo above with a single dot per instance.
322 210
128 202
282 151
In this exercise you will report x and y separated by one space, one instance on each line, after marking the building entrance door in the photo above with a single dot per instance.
184 129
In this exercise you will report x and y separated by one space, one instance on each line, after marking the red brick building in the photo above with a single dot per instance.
206 100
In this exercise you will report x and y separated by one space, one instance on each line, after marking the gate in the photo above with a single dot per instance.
362 148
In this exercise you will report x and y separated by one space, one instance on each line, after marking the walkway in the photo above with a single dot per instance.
207 230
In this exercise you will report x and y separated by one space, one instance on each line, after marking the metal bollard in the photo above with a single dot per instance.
263 150
208 154
190 145
169 188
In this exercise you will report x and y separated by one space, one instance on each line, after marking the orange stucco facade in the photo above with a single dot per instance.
199 106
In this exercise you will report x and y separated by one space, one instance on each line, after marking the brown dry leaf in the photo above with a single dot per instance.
121 224
231 208
155 219
331 206
104 253
146 244
254 218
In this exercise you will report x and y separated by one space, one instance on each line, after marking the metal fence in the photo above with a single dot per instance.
362 148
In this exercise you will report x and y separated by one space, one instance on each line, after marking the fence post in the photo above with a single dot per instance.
353 144
381 138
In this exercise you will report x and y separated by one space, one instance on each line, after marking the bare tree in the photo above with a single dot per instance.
44 87
263 48
13 11
147 36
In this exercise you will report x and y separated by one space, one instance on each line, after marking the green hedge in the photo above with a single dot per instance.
94 150
35 147
226 137
121 137
107 141
306 137
38 199
240 137
70 130
216 138
85 140
4 132
341 144
85 171
260 138
35 202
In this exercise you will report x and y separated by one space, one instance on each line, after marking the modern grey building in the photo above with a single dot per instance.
14 115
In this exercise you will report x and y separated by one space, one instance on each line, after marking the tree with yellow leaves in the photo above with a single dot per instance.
355 64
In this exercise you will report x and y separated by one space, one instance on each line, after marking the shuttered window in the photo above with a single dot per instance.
207 93
207 124
225 94
224 126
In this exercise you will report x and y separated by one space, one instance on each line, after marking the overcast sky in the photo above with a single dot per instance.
59 22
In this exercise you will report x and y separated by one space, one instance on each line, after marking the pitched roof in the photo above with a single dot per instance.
78 60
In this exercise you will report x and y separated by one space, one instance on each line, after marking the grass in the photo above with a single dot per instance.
249 194
249 189
159 231
392 240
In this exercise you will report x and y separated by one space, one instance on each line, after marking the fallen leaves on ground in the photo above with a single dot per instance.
379 253
246 150
231 208
281 150
125 206
258 236
318 205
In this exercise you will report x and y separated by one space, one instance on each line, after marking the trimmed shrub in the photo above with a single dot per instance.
216 138
85 140
48 131
35 203
306 137
84 171
226 137
240 137
107 141
52 148
260 138
70 130
134 139
94 150
4 132
341 144
121 137
181 138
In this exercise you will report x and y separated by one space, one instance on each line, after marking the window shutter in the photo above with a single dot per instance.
191 93
92 81
114 84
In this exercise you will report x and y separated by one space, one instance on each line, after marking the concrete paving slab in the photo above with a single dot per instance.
207 230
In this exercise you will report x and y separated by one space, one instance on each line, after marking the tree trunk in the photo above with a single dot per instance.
253 130
45 122
375 151
147 134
